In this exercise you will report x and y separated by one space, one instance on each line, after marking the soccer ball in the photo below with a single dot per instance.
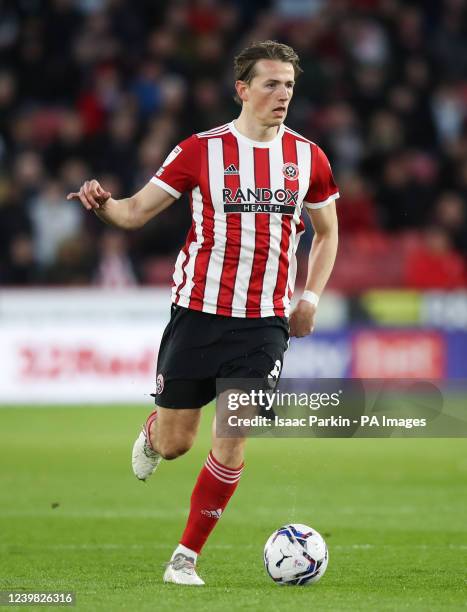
296 554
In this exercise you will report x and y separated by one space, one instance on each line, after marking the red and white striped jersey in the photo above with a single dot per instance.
246 201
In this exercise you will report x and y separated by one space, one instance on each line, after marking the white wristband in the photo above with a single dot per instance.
310 296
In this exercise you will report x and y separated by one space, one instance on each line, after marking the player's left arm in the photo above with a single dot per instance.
320 264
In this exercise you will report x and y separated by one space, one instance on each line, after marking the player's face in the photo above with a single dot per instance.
269 93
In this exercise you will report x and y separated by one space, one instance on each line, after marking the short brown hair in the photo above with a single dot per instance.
245 61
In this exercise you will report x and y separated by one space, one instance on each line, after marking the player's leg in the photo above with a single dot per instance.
249 350
173 432
170 431
214 487
228 451
167 434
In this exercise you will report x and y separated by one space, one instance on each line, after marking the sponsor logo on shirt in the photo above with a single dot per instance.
231 170
169 159
259 200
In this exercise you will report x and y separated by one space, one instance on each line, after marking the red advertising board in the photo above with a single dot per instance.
398 354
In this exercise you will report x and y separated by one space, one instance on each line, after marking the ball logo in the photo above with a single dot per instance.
290 171
159 384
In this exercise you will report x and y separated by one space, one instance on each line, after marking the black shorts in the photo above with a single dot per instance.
197 348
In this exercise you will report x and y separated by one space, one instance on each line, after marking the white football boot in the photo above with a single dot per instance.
181 570
144 460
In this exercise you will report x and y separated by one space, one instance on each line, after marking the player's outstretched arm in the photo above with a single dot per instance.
320 264
127 213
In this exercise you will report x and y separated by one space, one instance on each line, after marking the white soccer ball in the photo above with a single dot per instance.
296 555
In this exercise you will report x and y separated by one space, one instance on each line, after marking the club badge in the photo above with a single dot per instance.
290 171
159 384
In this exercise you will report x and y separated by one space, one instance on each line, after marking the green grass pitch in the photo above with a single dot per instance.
73 517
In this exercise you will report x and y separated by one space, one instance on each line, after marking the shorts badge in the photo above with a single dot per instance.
159 384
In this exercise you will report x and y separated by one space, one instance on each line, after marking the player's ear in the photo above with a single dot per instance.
242 90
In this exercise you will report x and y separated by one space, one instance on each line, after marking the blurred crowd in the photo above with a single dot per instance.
105 89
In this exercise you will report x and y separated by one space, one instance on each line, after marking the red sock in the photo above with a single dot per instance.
215 486
147 426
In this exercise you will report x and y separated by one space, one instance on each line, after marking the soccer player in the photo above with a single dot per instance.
248 183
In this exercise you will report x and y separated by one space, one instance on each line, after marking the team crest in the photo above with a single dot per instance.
290 171
159 384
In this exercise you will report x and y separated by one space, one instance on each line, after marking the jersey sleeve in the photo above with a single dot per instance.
180 170
322 190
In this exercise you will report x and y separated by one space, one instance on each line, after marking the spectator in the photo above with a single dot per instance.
450 214
74 262
53 220
435 265
114 266
357 209
21 268
17 255
107 88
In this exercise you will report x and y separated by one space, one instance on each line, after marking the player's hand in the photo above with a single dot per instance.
91 195
302 319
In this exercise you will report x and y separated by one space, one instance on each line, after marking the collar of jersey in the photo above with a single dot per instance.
255 143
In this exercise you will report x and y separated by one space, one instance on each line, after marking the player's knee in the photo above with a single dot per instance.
172 450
